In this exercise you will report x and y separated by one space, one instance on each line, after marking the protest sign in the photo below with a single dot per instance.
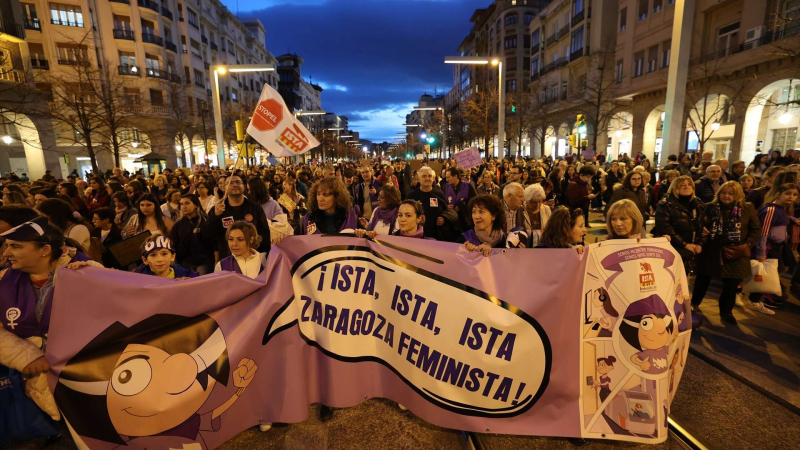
464 341
469 158
277 129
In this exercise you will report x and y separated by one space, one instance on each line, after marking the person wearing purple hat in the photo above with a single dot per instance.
647 326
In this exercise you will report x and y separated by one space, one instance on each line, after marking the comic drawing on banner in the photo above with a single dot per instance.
277 129
477 358
636 324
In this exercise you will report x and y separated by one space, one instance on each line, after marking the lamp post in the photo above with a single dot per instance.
222 69
501 107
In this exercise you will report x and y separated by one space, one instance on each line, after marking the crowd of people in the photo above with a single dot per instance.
717 215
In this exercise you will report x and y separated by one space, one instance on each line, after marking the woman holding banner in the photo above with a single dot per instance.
488 225
410 219
243 240
624 220
564 229
329 209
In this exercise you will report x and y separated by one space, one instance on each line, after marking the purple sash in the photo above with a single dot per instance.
230 264
350 223
454 198
18 301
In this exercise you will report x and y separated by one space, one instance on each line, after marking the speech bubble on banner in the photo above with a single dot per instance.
458 347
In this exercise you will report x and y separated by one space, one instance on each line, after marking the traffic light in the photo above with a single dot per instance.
573 140
431 140
582 124
513 108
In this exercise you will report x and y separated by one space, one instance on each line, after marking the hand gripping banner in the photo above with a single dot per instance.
507 344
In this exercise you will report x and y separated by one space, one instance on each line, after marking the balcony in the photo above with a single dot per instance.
72 62
121 33
768 38
41 64
132 107
214 46
32 23
563 31
576 54
66 23
171 46
551 40
174 78
535 76
196 55
129 70
152 39
149 4
161 109
126 2
166 13
206 65
204 40
14 76
231 51
578 18
199 83
156 73
535 48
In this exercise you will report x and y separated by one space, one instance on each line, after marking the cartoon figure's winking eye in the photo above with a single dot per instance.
132 376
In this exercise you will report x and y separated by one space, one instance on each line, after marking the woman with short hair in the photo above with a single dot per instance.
488 221
624 220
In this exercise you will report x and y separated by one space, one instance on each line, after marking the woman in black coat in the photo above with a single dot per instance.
613 176
680 215
731 222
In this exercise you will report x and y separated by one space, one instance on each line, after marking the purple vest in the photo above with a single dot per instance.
230 264
350 222
18 305
453 197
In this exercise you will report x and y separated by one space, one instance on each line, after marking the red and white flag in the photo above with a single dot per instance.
277 129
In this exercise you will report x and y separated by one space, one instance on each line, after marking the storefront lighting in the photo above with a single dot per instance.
784 120
134 144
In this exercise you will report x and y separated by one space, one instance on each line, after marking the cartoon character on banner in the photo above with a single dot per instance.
677 360
647 326
603 311
142 387
604 366
681 308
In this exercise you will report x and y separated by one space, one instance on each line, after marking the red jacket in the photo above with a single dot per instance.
98 199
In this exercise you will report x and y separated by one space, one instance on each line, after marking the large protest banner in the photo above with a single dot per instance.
495 344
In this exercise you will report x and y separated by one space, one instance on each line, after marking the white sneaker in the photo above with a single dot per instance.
758 306
265 426
402 408
739 299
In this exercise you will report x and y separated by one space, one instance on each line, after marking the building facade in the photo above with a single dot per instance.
158 54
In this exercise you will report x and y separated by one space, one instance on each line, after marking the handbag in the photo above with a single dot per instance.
20 418
734 252
764 278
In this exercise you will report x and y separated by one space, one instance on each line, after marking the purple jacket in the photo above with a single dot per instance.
310 224
774 222
373 197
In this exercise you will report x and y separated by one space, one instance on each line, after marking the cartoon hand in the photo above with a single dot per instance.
244 373
645 365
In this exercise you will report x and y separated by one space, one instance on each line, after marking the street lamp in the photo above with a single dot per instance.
217 70
501 109
423 135
7 139
134 144
309 113
785 118
715 126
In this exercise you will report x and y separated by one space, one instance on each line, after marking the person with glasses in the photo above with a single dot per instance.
513 175
632 189
708 185
231 208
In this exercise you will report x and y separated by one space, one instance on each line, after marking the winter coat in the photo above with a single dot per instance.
683 225
704 188
710 261
638 197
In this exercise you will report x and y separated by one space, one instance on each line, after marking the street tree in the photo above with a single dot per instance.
542 116
519 115
480 114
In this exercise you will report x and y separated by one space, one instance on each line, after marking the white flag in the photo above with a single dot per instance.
277 129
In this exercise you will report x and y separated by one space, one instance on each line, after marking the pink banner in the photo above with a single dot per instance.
464 341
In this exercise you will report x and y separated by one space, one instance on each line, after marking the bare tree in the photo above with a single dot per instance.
542 116
184 113
597 99
480 114
518 120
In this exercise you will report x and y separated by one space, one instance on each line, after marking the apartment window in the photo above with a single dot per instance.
186 74
183 44
167 34
152 63
535 65
148 27
526 62
670 2
644 8
491 34
71 54
511 42
528 18
623 19
498 47
511 19
652 59
234 95
527 41
199 79
133 96
638 64
554 92
231 48
67 15
30 17
535 38
658 5
156 97
498 26
665 52
577 6
544 95
201 105
577 39
511 85
728 39
564 90
127 59
511 63
192 18
618 73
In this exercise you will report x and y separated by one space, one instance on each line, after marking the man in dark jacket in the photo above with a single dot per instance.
707 185
233 207
433 203
756 196
578 195
457 194
108 232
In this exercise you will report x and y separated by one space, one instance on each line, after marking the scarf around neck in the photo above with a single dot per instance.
731 233
386 216
417 234
489 238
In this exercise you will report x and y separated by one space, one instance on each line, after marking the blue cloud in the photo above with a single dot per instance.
375 57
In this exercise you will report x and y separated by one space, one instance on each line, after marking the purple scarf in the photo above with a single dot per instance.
16 291
387 216
417 235
454 198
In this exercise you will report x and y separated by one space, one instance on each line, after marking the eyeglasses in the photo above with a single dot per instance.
235 182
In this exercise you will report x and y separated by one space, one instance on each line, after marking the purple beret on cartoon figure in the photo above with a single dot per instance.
647 326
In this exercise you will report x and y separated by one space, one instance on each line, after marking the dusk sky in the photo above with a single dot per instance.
373 58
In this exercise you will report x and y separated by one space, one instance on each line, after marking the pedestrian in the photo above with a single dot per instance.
679 216
384 217
122 208
59 214
243 240
706 187
733 228
624 220
756 196
171 207
632 189
192 251
148 217
578 191
536 214
260 195
488 225
433 203
106 233
457 193
487 185
293 205
158 257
